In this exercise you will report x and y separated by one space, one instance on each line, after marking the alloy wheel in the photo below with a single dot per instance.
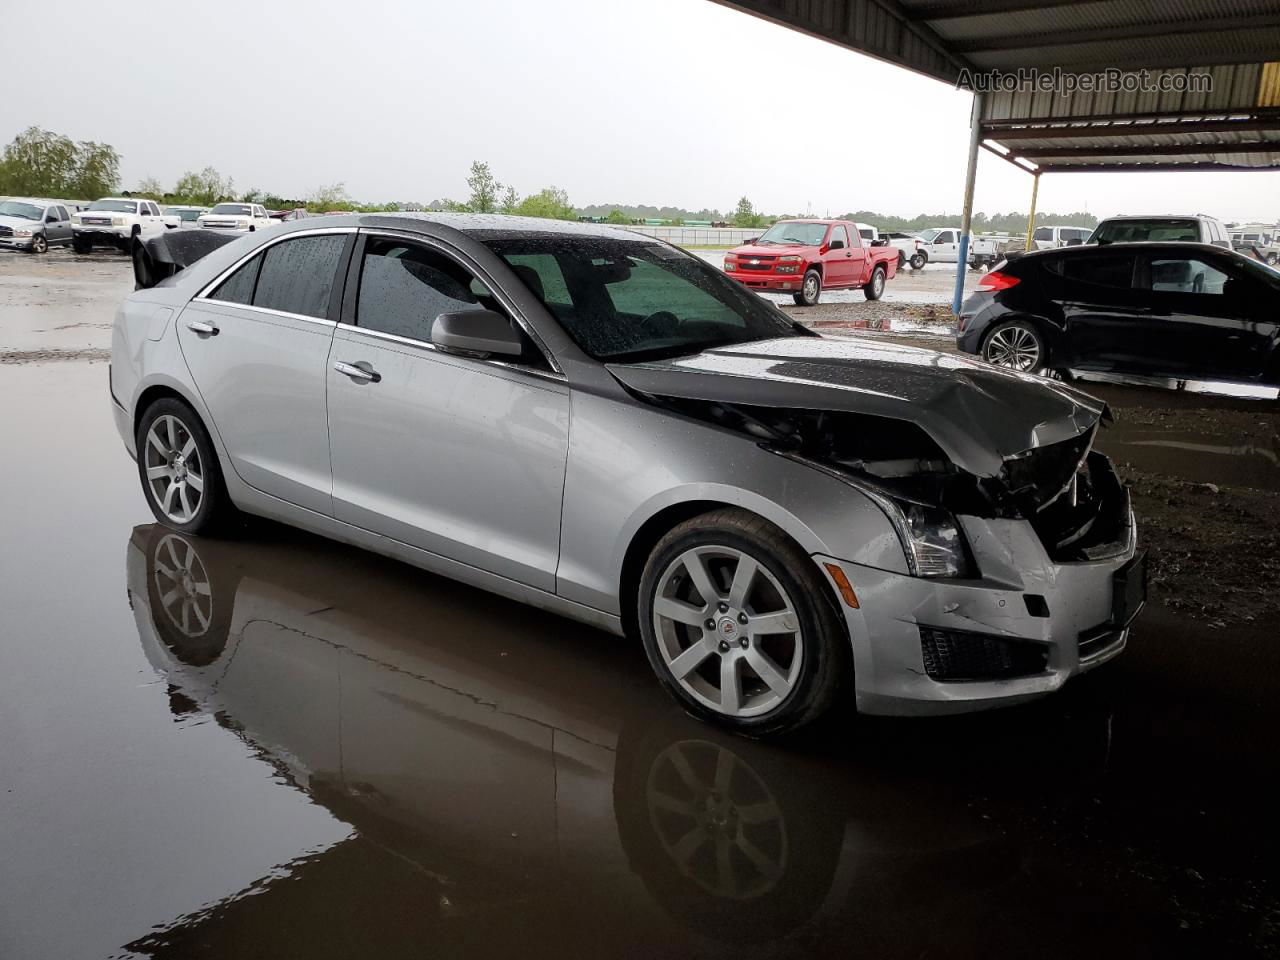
174 470
1014 347
717 820
182 584
877 282
810 287
39 243
727 631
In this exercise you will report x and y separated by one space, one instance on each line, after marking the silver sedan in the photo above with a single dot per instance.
599 424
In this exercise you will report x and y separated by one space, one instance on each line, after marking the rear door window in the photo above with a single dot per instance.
297 275
1097 272
238 288
1186 275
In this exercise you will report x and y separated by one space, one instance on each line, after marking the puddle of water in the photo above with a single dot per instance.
1195 457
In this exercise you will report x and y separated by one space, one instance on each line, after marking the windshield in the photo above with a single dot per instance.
627 301
929 235
810 234
1142 231
27 211
238 209
115 206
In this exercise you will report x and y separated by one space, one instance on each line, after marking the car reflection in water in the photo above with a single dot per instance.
517 782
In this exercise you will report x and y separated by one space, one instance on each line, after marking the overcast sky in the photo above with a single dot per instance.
679 102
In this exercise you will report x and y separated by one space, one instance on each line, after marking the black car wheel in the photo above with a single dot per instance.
81 246
1016 344
874 288
810 289
918 260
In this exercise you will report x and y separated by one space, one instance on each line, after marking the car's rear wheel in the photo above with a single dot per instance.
918 260
739 625
810 289
80 246
1018 345
1273 259
179 469
874 288
39 243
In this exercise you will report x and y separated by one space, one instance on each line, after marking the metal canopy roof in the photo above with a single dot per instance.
1233 124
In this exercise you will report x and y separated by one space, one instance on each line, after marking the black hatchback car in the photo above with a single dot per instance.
1186 311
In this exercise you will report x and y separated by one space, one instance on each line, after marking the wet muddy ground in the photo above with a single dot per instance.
276 746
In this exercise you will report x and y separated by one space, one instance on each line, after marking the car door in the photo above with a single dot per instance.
459 456
60 230
256 341
1105 318
945 247
1215 320
839 262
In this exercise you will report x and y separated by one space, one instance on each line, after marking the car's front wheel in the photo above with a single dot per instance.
810 289
39 243
918 260
81 246
179 469
1018 345
739 625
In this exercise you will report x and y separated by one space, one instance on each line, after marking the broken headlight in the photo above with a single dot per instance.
931 538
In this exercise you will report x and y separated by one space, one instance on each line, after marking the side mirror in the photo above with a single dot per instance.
837 244
476 333
1075 242
51 219
753 240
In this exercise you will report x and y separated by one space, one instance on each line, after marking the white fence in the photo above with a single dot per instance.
701 236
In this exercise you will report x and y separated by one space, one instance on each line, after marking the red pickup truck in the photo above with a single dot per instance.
805 257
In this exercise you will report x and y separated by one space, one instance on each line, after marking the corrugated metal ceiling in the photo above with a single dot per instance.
1235 39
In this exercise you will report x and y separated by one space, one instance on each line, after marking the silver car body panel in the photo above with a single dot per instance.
534 485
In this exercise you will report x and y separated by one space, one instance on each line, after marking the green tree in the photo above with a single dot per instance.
510 200
332 196
484 188
45 164
204 188
617 216
745 215
551 203
149 187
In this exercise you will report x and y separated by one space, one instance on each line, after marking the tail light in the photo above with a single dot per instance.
995 280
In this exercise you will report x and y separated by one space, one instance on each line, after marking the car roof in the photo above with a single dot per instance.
34 201
485 226
1173 246
1160 216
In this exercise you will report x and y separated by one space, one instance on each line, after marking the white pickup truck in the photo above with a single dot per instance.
245 217
115 221
942 245
908 245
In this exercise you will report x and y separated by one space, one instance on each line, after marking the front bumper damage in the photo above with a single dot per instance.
1031 621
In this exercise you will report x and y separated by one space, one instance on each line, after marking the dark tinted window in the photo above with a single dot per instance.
1098 271
238 288
404 287
297 275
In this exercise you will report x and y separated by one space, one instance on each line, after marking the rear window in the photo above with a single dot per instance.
1098 271
1147 231
238 288
297 275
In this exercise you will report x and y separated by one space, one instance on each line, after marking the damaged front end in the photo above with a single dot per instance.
1068 492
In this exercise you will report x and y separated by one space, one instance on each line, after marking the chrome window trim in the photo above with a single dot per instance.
432 348
321 321
494 288
203 295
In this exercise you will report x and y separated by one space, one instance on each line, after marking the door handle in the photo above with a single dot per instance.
203 327
365 374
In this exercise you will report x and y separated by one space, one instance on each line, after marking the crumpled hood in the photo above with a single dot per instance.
978 414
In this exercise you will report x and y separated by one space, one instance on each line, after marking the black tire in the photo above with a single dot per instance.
39 243
214 512
918 260
1002 339
874 288
190 597
810 289
821 641
1273 259
902 261
80 246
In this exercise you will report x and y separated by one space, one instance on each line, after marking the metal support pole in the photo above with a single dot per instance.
1031 219
966 215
